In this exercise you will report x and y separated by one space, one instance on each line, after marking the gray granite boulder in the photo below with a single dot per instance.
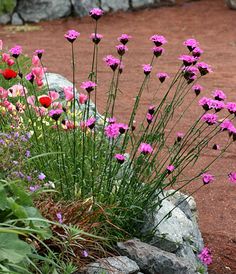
231 4
5 19
16 20
114 5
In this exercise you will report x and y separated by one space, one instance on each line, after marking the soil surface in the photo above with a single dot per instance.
214 26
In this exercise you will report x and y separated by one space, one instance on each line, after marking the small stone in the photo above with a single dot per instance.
231 4
5 19
16 20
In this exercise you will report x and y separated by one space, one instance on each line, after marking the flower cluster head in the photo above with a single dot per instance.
207 178
120 158
231 107
190 73
59 217
17 90
170 169
8 74
90 123
158 40
68 93
16 51
204 103
158 51
197 89
88 86
34 188
197 52
226 125
188 60
205 256
83 98
232 177
149 117
124 38
41 176
191 44
145 148
121 49
204 68
71 35
96 38
55 114
122 128
219 95
112 130
96 13
6 58
147 68
30 77
45 101
179 136
210 118
216 105
151 109
39 53
162 76
112 62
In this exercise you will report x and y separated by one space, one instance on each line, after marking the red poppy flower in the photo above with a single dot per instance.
8 74
45 101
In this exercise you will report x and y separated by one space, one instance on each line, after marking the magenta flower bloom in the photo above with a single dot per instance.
59 217
90 123
190 72
179 136
170 169
96 38
39 53
96 13
205 256
122 128
197 52
204 68
88 86
231 106
71 35
197 89
121 49
30 77
187 60
124 38
219 95
145 148
232 177
207 178
191 44
158 51
210 118
216 105
42 176
204 102
34 188
120 158
16 51
112 120
149 117
216 147
151 109
158 40
147 68
83 98
162 76
112 131
55 114
85 253
112 62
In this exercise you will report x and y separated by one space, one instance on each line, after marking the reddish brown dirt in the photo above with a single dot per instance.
214 26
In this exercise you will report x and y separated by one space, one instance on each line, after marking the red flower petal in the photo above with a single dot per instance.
45 101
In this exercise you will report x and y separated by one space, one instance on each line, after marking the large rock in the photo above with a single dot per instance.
5 19
82 7
36 10
153 260
112 265
16 20
231 4
142 3
114 5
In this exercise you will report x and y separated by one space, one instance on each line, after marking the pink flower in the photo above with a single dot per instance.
158 51
7 59
197 52
204 68
96 13
145 148
90 123
71 35
30 77
55 113
112 62
158 40
53 95
210 118
1 44
31 100
170 169
39 53
88 86
180 136
120 158
122 128
16 51
207 178
151 109
96 38
124 38
205 256
34 188
3 93
216 105
83 98
35 61
147 68
197 89
232 177
149 118
190 73
17 90
191 44
59 217
216 147
121 49
111 120
219 95
112 130
68 92
162 76
231 106
204 102
187 60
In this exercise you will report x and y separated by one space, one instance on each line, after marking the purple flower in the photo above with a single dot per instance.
112 62
41 176
96 38
180 136
112 130
27 153
197 52
162 76
122 128
85 253
151 109
88 86
149 118
170 169
216 105
120 158
204 68
55 113
121 49
39 53
111 120
232 177
59 217
187 60
96 13
190 73
204 102
219 95
147 68
197 89
2 142
191 44
158 40
124 38
205 256
207 178
158 51
34 188
210 118
145 148
231 106
30 77
90 123
16 51
71 35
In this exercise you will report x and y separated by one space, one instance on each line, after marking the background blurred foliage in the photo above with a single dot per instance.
7 6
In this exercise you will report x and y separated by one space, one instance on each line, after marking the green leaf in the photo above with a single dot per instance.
3 199
12 248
